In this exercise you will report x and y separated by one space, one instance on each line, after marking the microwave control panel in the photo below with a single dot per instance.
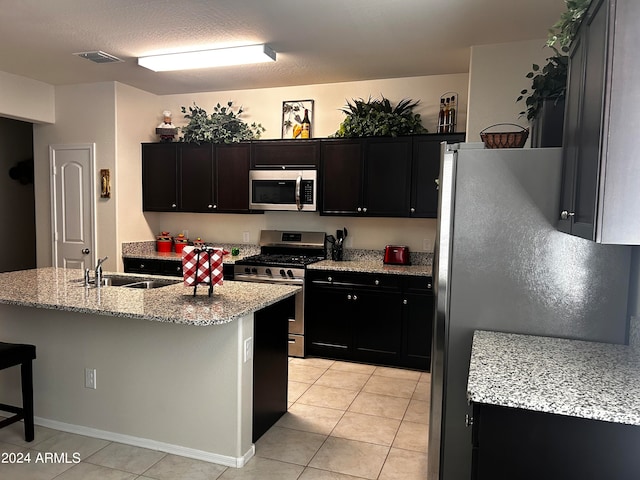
306 194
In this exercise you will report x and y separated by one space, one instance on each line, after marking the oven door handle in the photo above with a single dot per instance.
298 183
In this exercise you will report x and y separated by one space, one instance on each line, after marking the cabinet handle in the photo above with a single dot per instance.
355 297
377 282
330 279
359 209
209 206
429 286
364 209
215 206
404 302
142 265
173 205
565 215
349 296
413 210
437 182
468 420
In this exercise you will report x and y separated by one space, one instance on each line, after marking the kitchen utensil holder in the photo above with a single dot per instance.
337 253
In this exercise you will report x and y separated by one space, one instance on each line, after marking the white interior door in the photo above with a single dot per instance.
73 205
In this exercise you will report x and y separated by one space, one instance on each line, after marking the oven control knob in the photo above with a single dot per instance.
290 273
282 273
268 271
254 270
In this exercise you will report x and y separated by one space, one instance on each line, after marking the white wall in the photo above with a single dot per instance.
497 74
131 105
84 114
26 99
265 105
17 216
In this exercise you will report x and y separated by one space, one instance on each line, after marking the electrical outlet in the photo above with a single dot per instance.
90 378
248 349
245 237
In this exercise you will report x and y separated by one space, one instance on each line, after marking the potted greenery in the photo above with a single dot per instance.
545 99
375 117
222 126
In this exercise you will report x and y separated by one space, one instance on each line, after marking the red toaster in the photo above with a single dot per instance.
396 255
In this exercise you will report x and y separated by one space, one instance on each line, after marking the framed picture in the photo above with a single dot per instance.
292 116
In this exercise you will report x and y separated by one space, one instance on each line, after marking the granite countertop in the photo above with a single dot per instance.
147 250
63 289
355 260
372 266
598 381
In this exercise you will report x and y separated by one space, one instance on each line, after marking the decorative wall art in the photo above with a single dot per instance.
105 183
293 119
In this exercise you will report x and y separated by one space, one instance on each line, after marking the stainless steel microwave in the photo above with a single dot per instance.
283 190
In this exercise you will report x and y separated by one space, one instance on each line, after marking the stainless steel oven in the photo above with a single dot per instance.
283 258
283 190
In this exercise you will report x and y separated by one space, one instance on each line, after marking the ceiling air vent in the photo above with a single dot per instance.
99 57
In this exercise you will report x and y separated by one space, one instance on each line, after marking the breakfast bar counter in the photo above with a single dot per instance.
63 289
173 372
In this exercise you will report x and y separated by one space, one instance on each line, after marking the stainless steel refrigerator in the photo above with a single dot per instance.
500 264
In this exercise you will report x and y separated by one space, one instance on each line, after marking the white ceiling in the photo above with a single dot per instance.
316 42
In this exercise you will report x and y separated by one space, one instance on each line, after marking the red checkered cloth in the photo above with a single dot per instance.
202 265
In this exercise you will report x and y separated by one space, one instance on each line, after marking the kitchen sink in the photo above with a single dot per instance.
136 282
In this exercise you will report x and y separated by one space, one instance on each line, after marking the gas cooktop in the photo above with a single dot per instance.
280 259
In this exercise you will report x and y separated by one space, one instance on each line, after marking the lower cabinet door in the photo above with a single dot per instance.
417 321
377 326
521 444
328 322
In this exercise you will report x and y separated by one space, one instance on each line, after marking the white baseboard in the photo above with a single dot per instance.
227 461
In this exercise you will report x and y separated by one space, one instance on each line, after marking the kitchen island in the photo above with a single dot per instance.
174 372
553 408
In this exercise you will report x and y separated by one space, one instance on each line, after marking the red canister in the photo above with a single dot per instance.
179 243
164 242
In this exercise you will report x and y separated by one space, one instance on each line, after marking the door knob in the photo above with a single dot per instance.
86 251
565 215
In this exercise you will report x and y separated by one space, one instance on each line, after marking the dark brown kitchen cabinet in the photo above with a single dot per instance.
529 445
425 170
368 317
387 168
600 198
342 177
417 320
196 178
160 177
232 177
288 154
366 177
201 178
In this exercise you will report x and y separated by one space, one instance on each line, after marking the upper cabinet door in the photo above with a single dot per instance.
288 154
425 170
341 177
387 164
600 197
159 177
232 177
196 163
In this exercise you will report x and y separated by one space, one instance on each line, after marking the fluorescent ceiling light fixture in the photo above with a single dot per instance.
208 58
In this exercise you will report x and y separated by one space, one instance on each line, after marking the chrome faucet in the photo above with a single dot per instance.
98 272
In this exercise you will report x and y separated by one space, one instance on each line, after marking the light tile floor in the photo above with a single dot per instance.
346 421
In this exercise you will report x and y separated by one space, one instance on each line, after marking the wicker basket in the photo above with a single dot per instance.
504 139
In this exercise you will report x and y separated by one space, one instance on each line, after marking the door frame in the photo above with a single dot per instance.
53 149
